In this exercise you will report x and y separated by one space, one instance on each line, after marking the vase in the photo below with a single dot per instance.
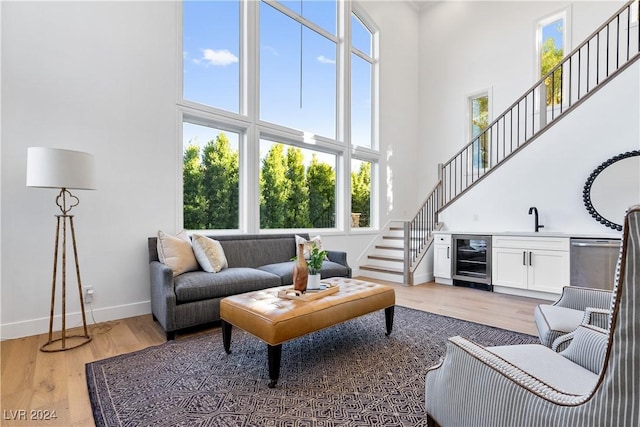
300 271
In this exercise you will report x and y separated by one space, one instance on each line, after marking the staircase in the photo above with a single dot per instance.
608 51
387 260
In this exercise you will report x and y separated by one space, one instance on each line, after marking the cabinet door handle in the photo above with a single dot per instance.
524 257
448 249
530 256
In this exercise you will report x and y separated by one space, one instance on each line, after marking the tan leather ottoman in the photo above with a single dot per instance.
276 320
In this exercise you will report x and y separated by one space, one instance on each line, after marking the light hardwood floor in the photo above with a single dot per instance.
55 382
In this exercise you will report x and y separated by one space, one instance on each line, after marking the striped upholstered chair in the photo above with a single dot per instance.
576 306
594 382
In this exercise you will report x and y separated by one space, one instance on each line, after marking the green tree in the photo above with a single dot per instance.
221 183
194 202
551 56
297 212
273 189
321 182
361 192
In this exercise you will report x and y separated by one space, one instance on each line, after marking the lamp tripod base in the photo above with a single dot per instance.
65 342
71 341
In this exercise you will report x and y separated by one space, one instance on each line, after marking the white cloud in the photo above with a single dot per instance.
272 50
218 57
324 60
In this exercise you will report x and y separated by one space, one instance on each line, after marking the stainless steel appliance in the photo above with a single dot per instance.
471 260
593 262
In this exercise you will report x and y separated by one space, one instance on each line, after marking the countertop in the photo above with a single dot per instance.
611 235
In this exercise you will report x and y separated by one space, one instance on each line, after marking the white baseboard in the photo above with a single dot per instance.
41 325
422 278
525 293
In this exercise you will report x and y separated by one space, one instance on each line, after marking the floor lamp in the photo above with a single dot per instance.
64 170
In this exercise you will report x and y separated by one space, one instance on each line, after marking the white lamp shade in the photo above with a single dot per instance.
58 168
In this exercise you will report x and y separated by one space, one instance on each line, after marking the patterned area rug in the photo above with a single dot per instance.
347 375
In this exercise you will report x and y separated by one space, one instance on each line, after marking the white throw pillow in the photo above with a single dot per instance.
209 253
176 252
308 244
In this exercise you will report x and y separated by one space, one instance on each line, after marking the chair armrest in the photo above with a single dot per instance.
597 317
562 342
579 298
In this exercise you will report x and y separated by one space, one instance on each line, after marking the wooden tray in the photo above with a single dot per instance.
309 295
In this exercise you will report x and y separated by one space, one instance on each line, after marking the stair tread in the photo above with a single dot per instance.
386 258
393 248
382 269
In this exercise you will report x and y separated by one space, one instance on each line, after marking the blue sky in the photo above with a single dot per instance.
211 52
554 30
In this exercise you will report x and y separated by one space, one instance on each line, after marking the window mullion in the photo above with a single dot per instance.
251 162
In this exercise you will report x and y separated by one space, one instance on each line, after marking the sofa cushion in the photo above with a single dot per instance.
209 253
258 252
285 270
176 252
200 285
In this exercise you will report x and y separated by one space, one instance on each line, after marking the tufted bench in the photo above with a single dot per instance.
276 320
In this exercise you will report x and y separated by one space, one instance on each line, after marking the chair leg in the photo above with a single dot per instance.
171 336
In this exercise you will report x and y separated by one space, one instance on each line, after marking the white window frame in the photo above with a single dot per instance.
488 92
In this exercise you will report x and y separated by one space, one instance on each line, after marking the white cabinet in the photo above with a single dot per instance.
532 263
442 257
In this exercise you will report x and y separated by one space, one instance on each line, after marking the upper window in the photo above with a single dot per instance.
362 68
479 120
552 45
211 53
297 70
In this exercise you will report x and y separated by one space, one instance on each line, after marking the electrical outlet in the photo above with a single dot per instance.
88 294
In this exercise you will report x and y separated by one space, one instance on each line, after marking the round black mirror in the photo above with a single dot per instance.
612 187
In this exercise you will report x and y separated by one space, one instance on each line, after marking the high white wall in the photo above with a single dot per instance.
492 46
551 172
467 47
101 77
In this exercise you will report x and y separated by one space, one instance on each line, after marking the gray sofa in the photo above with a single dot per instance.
255 262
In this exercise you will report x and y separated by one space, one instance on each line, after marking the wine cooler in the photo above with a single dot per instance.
471 261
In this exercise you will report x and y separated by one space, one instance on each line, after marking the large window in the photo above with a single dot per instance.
277 98
297 187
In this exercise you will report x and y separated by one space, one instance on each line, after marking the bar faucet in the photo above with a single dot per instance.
534 210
